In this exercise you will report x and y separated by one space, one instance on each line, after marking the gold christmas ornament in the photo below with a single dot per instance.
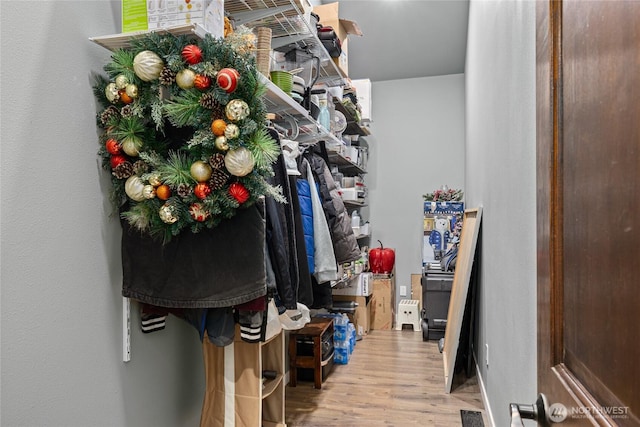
221 143
111 91
231 131
134 187
149 192
131 90
154 179
200 171
239 162
167 213
237 110
185 78
147 65
132 145
121 81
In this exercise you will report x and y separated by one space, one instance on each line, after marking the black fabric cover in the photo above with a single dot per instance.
218 267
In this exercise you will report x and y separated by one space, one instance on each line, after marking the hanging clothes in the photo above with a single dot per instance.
325 267
345 245
280 237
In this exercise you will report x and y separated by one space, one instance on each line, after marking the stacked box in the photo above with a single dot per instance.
383 301
330 17
361 319
140 15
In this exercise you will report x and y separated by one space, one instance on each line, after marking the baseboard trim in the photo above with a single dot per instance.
483 394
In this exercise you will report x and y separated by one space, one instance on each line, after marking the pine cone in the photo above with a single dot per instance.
217 161
184 190
218 179
207 100
126 111
123 171
167 77
140 167
108 114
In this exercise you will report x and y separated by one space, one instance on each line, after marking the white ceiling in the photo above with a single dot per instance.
406 38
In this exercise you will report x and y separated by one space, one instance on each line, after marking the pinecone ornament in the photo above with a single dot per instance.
184 190
126 111
167 77
217 161
208 101
108 114
140 167
123 171
218 179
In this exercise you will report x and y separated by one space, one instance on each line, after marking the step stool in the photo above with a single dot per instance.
409 313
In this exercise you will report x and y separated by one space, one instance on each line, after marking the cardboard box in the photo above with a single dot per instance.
361 319
140 15
416 288
383 302
330 17
357 286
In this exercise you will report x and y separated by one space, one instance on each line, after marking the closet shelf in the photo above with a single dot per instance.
353 127
289 21
283 105
343 163
354 204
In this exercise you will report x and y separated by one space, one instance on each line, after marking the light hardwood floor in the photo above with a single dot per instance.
393 379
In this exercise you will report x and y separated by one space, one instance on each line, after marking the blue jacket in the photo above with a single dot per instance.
306 210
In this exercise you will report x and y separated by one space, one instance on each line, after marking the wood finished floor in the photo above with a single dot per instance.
393 379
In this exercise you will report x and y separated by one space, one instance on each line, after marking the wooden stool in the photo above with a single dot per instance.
315 329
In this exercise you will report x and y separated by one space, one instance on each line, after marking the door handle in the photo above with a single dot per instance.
537 412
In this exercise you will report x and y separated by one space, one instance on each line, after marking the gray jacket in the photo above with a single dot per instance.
345 245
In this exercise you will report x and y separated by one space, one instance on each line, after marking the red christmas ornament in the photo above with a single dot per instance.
198 212
202 190
202 82
192 54
227 79
112 146
239 192
116 160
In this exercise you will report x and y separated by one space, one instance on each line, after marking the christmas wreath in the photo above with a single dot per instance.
185 135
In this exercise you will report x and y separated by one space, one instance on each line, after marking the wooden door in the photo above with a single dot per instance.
588 210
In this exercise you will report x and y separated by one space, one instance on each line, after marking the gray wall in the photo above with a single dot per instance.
501 176
417 146
61 272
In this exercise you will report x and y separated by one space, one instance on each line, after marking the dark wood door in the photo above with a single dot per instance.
588 133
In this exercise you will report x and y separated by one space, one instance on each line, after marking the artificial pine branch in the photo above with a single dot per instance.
98 90
139 216
122 63
176 169
184 109
129 128
264 148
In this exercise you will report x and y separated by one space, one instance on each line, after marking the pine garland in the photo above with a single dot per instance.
170 128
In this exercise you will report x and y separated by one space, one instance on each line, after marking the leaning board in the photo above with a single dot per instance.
459 290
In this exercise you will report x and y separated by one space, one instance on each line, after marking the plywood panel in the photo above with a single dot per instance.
459 290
